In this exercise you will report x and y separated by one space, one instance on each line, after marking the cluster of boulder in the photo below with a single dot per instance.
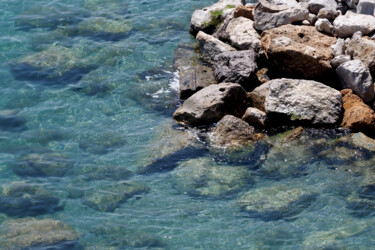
282 62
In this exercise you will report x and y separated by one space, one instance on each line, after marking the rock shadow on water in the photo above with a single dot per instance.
22 199
11 120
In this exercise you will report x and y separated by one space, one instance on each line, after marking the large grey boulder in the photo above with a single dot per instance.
211 104
241 34
356 76
316 5
232 131
366 7
236 66
270 14
211 46
362 48
303 101
347 25
338 60
208 18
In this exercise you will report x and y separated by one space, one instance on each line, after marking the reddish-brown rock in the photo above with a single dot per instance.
298 51
357 115
244 11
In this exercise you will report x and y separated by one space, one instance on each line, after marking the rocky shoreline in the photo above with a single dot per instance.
261 66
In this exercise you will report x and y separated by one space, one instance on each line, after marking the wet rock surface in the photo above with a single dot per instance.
211 104
275 202
204 177
33 233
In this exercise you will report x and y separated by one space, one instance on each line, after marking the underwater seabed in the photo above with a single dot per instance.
90 157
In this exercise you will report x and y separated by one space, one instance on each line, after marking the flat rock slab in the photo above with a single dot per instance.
270 14
303 101
193 74
298 51
211 104
347 25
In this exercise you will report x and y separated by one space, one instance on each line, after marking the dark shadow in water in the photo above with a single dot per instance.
66 245
25 72
171 161
12 122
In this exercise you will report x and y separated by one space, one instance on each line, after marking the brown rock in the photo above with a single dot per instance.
255 117
258 96
244 11
232 131
298 51
357 115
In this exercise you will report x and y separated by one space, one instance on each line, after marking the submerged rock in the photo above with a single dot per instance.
276 202
94 172
193 74
356 76
101 143
357 115
23 199
203 177
312 48
109 196
103 7
33 233
55 65
211 104
49 164
362 141
210 46
210 17
237 67
269 14
346 25
50 16
100 28
302 101
233 132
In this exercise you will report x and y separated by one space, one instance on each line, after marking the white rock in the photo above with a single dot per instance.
345 26
339 47
323 25
356 76
366 7
312 18
316 5
210 46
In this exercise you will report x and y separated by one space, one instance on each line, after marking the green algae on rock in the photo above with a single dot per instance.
204 177
23 199
109 196
276 202
32 233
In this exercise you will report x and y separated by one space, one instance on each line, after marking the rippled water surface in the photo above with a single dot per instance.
87 92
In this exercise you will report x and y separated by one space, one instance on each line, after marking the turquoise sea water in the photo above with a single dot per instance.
85 113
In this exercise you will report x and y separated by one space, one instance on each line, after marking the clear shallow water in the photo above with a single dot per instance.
77 136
